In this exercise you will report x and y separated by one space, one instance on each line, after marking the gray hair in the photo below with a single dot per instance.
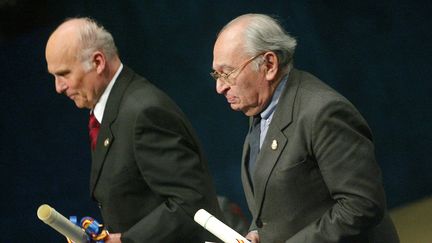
264 33
94 37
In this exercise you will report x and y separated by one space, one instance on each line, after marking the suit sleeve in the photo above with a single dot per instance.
342 145
169 161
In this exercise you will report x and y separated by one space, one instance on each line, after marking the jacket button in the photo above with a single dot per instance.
99 205
259 223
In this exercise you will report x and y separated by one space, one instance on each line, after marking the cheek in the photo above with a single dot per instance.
72 82
80 85
244 92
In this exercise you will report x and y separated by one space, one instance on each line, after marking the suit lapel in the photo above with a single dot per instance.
106 135
275 140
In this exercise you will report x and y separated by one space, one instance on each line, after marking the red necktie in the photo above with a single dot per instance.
93 130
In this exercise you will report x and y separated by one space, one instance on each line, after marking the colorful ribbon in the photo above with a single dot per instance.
95 231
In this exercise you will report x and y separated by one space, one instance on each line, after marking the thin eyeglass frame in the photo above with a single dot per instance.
225 76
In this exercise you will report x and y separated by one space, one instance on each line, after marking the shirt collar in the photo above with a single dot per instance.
100 105
275 98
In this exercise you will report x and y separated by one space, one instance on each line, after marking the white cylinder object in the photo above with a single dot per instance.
61 224
219 229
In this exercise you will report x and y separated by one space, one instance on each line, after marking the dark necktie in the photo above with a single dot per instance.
254 142
93 130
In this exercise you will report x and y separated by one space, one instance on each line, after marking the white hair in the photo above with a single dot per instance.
94 37
264 33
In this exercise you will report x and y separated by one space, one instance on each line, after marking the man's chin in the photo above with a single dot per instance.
234 107
251 112
81 105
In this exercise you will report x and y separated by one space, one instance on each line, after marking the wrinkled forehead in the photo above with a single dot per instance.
228 49
60 54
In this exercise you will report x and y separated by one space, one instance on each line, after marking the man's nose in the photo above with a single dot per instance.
221 86
60 85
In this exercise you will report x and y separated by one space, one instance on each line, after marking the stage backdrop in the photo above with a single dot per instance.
376 53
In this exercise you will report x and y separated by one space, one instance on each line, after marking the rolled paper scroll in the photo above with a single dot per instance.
219 229
61 224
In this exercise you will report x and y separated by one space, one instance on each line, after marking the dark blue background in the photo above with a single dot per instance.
376 53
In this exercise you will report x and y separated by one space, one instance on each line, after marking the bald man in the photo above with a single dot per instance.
148 174
308 167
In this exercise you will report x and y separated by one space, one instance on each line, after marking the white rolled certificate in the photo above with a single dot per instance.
219 229
58 222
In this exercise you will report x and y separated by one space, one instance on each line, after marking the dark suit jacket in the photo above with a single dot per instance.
149 175
316 178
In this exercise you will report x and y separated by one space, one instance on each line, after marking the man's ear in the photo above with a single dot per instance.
98 61
271 64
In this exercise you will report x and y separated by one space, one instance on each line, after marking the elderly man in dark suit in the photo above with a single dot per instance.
308 167
148 175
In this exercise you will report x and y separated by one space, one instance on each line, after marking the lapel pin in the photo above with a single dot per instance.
106 142
274 145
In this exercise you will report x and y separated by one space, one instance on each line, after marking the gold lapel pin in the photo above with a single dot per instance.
106 142
274 145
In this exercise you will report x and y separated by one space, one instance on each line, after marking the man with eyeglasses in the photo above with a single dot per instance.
308 167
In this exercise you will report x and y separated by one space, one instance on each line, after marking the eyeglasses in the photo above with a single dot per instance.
225 76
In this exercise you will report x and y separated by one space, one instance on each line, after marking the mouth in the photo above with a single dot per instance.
72 96
231 99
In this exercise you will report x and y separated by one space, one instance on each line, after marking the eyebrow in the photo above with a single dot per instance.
224 66
62 72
